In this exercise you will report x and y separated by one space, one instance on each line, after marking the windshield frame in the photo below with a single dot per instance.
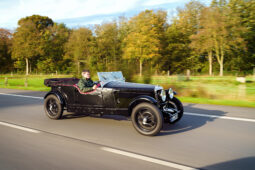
106 77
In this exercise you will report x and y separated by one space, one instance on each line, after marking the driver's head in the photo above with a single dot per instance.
86 74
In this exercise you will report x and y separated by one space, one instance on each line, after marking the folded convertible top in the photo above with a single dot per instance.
60 81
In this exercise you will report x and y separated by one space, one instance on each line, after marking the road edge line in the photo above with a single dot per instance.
17 95
19 127
148 159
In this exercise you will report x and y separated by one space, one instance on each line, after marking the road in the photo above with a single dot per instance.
207 137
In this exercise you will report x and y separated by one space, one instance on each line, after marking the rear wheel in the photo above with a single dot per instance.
147 119
53 107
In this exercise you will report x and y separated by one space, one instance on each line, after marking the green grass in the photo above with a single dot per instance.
199 89
35 82
218 101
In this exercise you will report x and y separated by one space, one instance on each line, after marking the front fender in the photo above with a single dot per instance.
139 100
59 96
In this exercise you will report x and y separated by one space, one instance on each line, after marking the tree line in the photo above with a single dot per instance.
204 39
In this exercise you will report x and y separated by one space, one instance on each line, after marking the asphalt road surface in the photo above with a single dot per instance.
207 137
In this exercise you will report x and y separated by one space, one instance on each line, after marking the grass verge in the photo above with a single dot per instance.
239 103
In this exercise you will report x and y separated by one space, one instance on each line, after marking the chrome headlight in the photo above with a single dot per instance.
162 95
171 93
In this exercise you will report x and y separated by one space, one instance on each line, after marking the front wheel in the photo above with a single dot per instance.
147 119
173 111
53 108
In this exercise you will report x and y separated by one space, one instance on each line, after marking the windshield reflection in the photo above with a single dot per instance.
105 77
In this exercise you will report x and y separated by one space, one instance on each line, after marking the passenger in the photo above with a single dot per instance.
86 84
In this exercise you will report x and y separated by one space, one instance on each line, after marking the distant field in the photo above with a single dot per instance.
211 90
34 82
198 89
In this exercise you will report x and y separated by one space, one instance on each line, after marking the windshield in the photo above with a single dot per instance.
105 77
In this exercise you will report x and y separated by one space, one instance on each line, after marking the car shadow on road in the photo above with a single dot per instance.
190 122
68 115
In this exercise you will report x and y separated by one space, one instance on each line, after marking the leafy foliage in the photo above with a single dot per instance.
5 50
143 41
215 38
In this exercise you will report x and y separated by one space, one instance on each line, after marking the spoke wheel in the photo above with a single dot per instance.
147 119
53 107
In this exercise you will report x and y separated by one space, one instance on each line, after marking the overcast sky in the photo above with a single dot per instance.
75 13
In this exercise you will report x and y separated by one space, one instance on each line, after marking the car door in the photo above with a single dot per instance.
89 99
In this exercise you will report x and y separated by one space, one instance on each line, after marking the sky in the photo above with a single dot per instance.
77 13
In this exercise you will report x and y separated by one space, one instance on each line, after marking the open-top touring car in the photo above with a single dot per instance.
148 105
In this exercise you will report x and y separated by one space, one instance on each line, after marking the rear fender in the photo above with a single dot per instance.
59 96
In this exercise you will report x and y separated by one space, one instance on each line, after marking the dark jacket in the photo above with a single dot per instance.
85 85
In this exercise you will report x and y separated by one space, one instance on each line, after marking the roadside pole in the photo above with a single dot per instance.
254 73
6 81
26 83
188 74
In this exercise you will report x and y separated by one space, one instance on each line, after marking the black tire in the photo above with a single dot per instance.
53 107
176 104
147 119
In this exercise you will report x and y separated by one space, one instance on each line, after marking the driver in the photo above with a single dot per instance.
86 84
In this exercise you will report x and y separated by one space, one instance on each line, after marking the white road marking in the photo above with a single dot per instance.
17 95
220 117
186 113
148 159
19 127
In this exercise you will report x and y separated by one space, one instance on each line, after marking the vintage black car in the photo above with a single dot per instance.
148 105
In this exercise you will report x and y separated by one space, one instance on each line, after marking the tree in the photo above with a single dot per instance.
26 44
28 39
202 41
5 50
108 45
79 46
243 12
179 54
219 33
225 31
56 37
142 42
161 27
